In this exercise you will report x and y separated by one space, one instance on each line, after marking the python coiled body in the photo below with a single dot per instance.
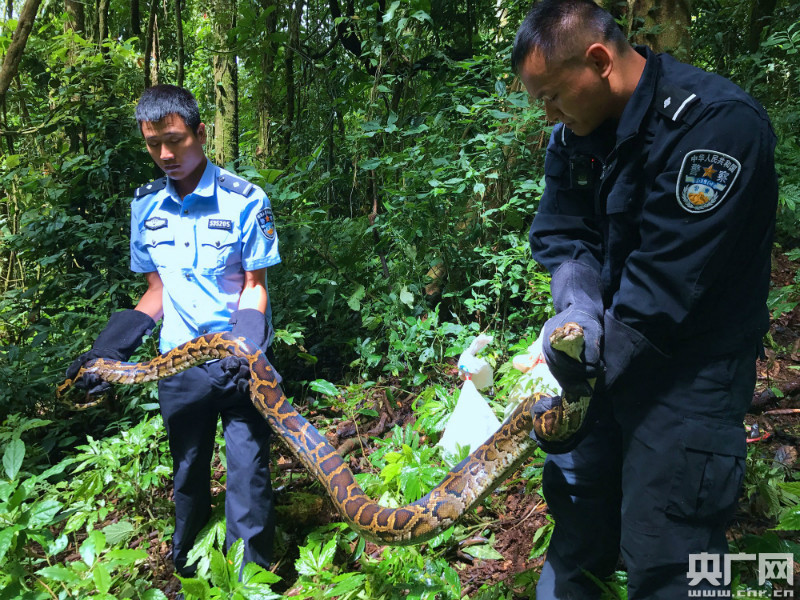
463 488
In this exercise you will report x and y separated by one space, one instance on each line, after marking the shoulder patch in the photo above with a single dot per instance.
266 223
673 101
149 188
235 184
705 178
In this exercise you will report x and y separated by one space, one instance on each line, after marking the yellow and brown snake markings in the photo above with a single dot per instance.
466 485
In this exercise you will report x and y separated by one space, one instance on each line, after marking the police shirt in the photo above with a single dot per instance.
201 247
674 207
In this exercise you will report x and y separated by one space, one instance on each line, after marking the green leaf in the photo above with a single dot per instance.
6 537
42 513
790 520
484 551
345 583
324 387
154 595
102 579
389 14
118 532
59 573
12 457
354 301
195 588
125 556
407 297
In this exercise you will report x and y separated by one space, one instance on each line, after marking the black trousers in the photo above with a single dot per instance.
656 480
191 402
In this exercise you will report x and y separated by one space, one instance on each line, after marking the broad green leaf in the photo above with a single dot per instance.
6 537
389 14
12 457
354 301
42 513
118 532
790 520
125 556
198 588
407 297
345 583
484 551
102 578
154 595
59 573
324 387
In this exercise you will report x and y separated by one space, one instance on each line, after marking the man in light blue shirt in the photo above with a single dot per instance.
204 239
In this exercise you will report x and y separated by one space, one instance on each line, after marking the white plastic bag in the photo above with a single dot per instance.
536 379
472 421
474 368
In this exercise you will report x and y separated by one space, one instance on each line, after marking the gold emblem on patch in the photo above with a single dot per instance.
705 178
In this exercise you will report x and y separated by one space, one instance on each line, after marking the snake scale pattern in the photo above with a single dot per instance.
466 485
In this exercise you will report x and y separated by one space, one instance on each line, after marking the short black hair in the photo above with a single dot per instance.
161 100
551 27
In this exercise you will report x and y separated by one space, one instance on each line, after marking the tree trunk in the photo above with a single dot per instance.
102 23
671 18
760 13
76 15
149 81
226 85
179 32
291 47
264 97
17 46
136 18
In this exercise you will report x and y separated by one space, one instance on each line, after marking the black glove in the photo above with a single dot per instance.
118 341
577 298
251 324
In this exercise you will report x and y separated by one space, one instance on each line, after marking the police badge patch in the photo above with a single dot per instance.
266 223
705 179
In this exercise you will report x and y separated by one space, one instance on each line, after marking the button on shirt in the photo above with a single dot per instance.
201 247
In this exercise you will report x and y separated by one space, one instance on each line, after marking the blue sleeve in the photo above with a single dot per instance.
259 236
140 257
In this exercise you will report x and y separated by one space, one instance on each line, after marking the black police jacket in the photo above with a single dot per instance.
674 206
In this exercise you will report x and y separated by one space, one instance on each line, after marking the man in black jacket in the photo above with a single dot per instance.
656 224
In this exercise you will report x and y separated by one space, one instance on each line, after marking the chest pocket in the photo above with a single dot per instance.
218 248
160 244
622 195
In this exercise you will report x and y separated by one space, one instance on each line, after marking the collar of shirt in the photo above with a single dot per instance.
639 103
205 187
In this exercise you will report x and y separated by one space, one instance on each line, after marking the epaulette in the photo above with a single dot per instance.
674 102
235 184
149 188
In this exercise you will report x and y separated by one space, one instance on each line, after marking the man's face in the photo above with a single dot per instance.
175 148
573 91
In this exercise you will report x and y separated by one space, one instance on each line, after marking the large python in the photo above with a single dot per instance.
466 485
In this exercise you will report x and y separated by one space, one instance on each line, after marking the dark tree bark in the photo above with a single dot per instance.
102 23
136 18
76 15
149 80
264 97
226 85
17 46
293 44
671 17
179 32
760 13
